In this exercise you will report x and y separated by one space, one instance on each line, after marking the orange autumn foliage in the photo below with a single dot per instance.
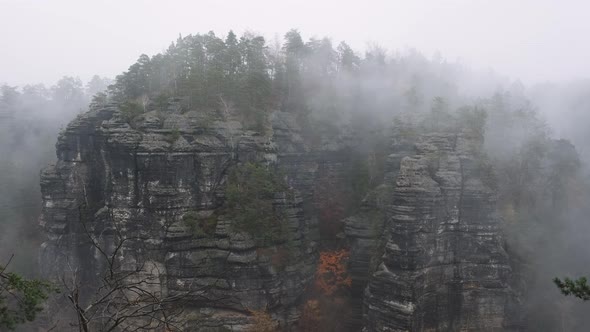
332 274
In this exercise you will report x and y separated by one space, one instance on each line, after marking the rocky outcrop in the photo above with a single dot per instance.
139 180
365 230
444 267
426 251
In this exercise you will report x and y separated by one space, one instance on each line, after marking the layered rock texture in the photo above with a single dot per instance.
140 181
426 249
444 267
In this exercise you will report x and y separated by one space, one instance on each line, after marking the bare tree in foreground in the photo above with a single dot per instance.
129 296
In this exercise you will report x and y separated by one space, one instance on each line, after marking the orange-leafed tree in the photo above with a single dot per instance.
332 272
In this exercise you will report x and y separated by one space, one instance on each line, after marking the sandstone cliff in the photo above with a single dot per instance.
443 264
427 253
142 180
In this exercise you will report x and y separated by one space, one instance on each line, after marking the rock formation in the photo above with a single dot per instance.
444 267
426 249
143 179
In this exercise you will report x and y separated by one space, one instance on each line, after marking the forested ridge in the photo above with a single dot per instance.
330 88
292 75
540 181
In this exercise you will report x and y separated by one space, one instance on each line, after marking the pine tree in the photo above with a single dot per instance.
233 64
294 55
347 59
576 287
255 85
96 84
9 95
68 91
193 66
21 299
215 69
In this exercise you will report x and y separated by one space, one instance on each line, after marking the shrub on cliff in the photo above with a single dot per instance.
130 110
200 226
251 190
173 136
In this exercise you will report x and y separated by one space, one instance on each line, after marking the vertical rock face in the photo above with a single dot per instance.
426 250
139 182
443 267
366 231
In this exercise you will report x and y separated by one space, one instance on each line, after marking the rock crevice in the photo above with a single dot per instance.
444 267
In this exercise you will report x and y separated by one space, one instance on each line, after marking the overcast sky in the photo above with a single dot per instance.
534 40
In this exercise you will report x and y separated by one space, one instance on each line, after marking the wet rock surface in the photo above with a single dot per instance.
443 264
426 250
141 177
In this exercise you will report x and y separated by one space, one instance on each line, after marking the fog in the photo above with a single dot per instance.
525 63
532 40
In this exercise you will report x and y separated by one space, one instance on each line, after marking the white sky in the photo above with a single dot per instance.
534 40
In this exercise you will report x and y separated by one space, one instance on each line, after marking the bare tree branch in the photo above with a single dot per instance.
126 299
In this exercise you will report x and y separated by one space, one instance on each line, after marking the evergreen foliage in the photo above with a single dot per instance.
306 78
200 226
251 190
576 287
130 110
21 299
173 136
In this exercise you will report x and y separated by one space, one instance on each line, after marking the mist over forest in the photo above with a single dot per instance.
239 182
